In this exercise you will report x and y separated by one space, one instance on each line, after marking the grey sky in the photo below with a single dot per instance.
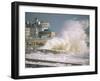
56 20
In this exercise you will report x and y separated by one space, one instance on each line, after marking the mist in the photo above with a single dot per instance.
72 39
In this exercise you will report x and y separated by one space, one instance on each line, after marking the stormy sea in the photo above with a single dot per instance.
69 48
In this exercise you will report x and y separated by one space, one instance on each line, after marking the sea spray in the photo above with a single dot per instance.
72 39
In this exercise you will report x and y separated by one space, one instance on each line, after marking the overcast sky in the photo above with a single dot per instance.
56 20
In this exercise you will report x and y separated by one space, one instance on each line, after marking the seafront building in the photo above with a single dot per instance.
37 33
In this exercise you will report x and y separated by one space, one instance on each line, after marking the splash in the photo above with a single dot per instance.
71 39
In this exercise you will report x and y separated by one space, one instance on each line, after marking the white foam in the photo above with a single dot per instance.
72 38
